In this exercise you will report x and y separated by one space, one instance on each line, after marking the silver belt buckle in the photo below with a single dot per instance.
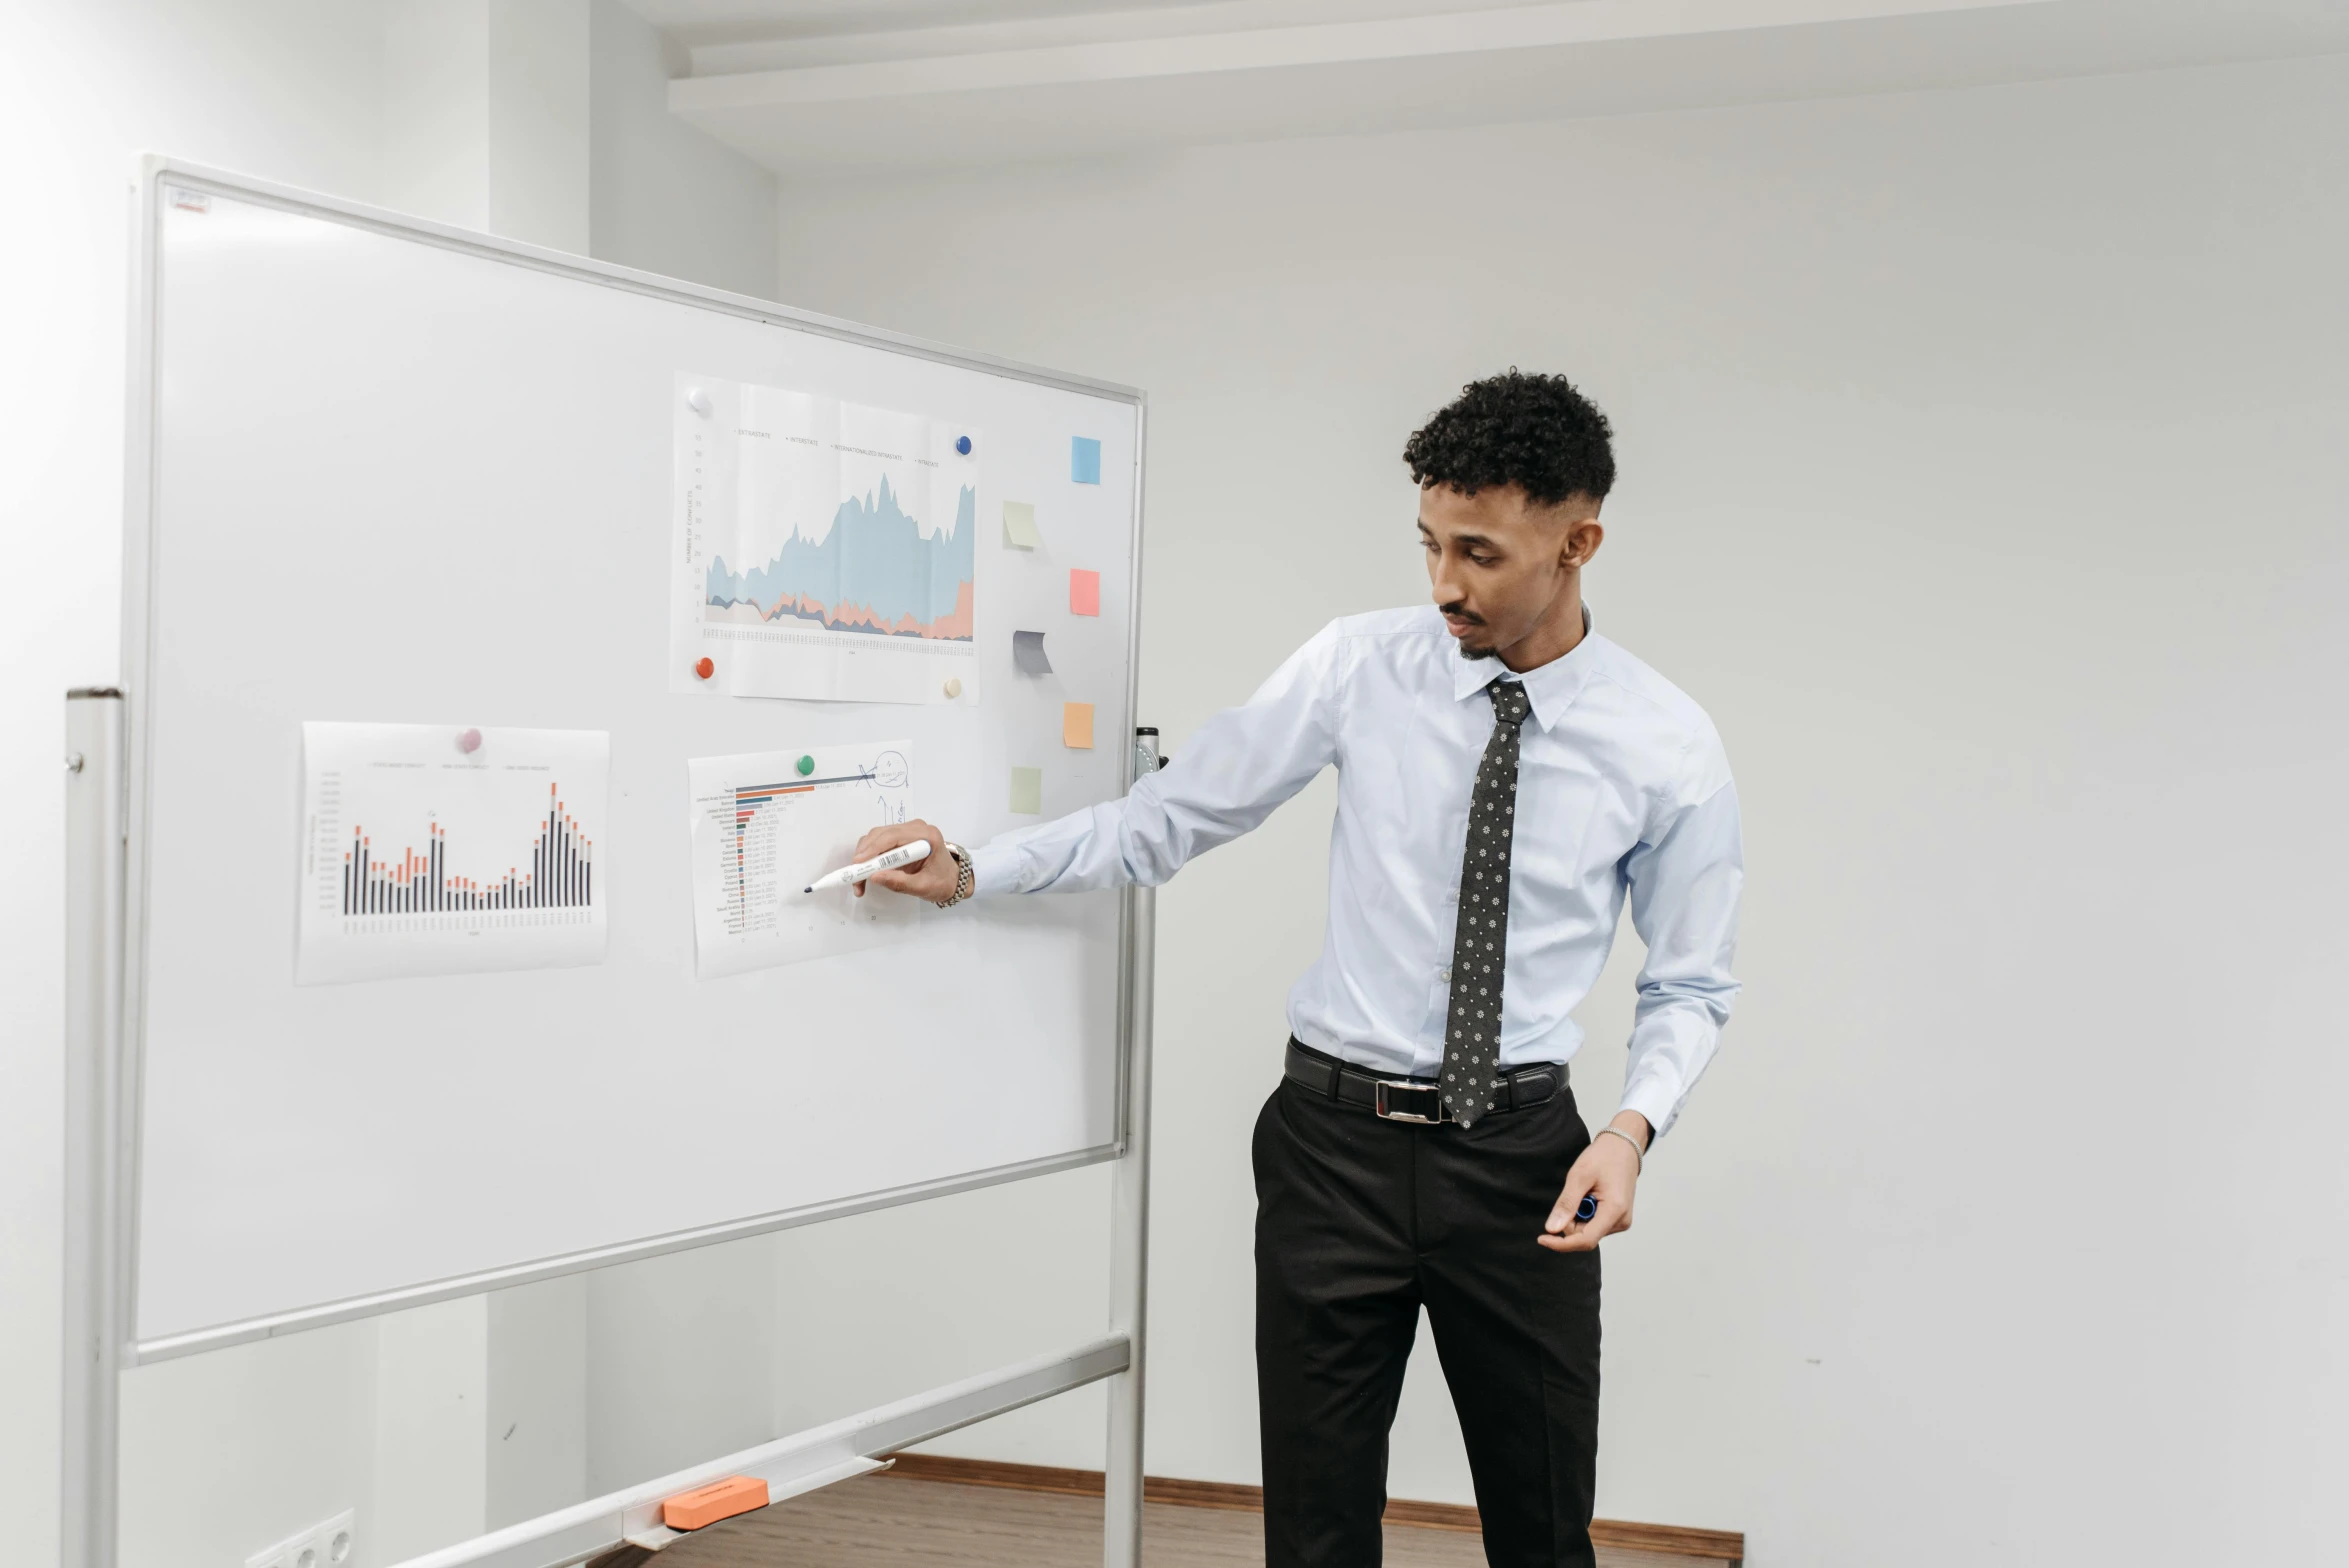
1379 1101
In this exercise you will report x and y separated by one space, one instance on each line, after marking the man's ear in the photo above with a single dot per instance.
1582 542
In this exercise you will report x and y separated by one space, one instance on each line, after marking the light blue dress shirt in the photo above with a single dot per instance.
1623 791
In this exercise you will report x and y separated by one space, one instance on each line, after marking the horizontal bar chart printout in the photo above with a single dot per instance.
767 824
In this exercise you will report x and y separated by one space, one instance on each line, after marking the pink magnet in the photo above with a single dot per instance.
469 742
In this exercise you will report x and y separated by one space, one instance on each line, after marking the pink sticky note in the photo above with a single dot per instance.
1084 592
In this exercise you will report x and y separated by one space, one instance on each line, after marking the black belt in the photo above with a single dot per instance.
1413 1099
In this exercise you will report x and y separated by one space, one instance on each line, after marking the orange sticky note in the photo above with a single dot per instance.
1084 592
1076 725
706 1505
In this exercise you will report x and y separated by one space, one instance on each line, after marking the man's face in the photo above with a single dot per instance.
1500 565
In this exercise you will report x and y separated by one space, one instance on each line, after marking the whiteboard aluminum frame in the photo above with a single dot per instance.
109 815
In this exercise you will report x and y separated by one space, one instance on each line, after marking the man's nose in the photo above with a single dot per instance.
1446 587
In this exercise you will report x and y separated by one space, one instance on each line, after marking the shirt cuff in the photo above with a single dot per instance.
995 868
1656 1101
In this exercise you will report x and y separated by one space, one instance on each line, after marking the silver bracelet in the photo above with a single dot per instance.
1637 1152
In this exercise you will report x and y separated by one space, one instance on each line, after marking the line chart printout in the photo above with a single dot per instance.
766 825
435 849
824 549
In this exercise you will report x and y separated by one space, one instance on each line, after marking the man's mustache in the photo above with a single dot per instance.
1458 610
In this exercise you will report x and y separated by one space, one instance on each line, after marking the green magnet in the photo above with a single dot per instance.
807 765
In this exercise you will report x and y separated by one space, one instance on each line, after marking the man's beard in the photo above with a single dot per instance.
1468 650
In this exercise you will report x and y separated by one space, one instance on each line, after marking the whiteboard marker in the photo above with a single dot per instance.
902 855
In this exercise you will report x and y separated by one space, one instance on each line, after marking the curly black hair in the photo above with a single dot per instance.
1533 431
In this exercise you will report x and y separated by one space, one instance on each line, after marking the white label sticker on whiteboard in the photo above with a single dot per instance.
824 550
435 849
768 824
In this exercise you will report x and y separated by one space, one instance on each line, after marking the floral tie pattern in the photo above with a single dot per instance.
1472 1043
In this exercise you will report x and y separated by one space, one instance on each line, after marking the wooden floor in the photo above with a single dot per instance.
882 1520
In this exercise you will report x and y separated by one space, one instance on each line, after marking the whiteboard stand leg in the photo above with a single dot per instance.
93 1336
1129 1242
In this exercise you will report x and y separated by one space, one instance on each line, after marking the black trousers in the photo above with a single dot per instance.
1359 1223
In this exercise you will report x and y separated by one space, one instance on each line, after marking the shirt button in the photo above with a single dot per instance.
1451 895
1445 974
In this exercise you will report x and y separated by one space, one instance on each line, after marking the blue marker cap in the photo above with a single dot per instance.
962 444
1587 1210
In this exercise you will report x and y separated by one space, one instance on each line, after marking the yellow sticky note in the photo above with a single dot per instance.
1019 525
1076 725
1027 791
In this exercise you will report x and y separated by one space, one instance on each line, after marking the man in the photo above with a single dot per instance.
1506 778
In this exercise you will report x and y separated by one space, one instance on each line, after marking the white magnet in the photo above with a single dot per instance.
698 400
953 685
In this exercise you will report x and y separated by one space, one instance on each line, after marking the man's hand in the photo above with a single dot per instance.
932 879
1607 1170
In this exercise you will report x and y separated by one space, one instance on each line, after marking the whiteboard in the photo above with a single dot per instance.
386 472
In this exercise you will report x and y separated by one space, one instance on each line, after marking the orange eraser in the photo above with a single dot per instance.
737 1494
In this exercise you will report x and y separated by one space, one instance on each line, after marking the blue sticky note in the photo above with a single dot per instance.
1084 460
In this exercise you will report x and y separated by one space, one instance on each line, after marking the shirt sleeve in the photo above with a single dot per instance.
1686 877
1229 777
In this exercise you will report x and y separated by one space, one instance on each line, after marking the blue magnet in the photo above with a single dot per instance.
962 444
1587 1210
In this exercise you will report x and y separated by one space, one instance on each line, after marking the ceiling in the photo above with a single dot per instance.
820 88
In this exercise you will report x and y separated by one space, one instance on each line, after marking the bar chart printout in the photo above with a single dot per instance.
421 857
767 824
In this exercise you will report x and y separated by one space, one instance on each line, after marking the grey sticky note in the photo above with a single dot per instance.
1019 525
1027 651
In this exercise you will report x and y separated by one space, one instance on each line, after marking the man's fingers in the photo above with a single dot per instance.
920 878
1562 1218
1579 1182
1609 1194
1583 1235
882 839
933 878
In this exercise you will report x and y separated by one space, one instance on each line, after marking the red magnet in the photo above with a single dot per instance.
704 668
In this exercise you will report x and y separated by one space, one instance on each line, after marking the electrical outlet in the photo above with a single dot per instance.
338 1540
331 1543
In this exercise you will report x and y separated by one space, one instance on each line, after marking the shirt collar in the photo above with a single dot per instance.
1550 688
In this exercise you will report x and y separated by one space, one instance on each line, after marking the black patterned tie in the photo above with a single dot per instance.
1472 1047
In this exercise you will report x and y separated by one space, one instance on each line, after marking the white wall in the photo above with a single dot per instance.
224 1454
678 1351
431 1454
663 196
486 110
535 1386
282 87
1983 474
